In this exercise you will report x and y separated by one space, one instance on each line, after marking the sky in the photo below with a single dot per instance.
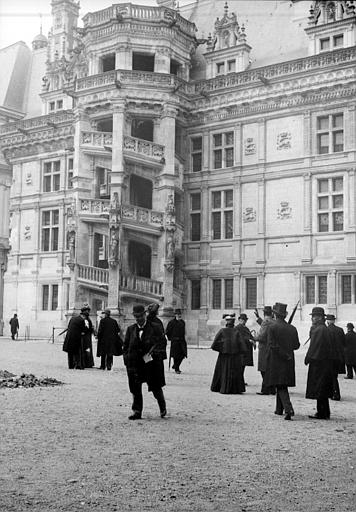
20 20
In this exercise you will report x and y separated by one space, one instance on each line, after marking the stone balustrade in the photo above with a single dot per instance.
65 116
96 139
142 215
143 147
93 274
94 206
141 285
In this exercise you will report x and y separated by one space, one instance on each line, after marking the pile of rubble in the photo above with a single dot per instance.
25 380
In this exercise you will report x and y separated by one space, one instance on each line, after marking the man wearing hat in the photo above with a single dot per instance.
262 347
319 359
144 351
87 336
109 340
175 332
282 340
247 341
73 342
350 351
338 347
152 315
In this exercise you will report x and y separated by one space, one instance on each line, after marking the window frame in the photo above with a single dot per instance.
331 132
196 154
50 299
51 175
195 297
222 213
52 239
220 151
195 217
316 291
248 303
331 193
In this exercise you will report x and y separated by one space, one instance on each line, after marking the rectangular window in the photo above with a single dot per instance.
223 152
197 153
220 68
49 297
49 230
195 204
338 41
52 106
330 202
222 214
51 176
59 104
325 44
70 173
216 294
229 286
346 295
195 294
330 133
251 293
231 66
316 289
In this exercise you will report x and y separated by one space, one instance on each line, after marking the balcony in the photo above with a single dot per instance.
94 142
94 210
139 148
136 286
93 276
141 216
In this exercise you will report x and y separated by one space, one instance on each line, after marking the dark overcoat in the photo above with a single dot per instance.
109 340
245 335
175 332
135 347
228 373
73 338
87 343
262 344
350 348
14 325
338 348
319 359
282 340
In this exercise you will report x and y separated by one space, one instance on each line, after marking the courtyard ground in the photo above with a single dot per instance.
72 448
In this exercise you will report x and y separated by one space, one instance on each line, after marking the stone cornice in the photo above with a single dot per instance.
65 116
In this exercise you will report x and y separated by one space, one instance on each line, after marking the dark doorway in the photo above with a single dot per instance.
104 125
140 259
140 192
142 129
143 62
100 251
108 62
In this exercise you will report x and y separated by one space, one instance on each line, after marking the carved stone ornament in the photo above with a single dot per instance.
170 211
249 214
114 248
28 178
27 233
115 212
285 211
250 146
71 248
284 140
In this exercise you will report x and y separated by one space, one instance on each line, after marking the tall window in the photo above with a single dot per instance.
195 293
330 133
330 204
316 289
51 176
251 293
195 206
222 297
222 214
223 152
70 173
348 289
49 297
49 229
197 153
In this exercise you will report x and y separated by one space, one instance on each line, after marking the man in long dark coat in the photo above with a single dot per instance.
262 347
350 351
247 340
282 340
144 352
319 359
109 340
73 342
175 332
338 347
14 326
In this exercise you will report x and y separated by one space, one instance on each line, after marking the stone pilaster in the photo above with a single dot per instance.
167 136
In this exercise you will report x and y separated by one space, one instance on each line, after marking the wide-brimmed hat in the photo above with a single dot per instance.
243 316
267 310
350 325
138 310
317 311
329 316
279 308
85 308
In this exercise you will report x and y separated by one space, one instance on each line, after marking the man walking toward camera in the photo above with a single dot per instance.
144 352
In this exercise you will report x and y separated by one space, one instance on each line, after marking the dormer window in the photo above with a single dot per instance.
338 41
331 43
231 66
220 68
325 44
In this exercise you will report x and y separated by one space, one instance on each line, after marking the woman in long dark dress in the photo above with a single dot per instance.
87 337
228 374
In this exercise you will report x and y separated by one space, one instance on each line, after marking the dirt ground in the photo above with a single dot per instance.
72 448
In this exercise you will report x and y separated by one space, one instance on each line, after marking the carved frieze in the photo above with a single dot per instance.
249 214
285 211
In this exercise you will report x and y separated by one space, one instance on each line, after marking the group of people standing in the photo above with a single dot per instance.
329 349
143 349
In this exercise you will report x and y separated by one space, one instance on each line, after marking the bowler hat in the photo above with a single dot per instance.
317 311
279 308
138 310
85 307
267 310
177 311
350 325
330 317
243 316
